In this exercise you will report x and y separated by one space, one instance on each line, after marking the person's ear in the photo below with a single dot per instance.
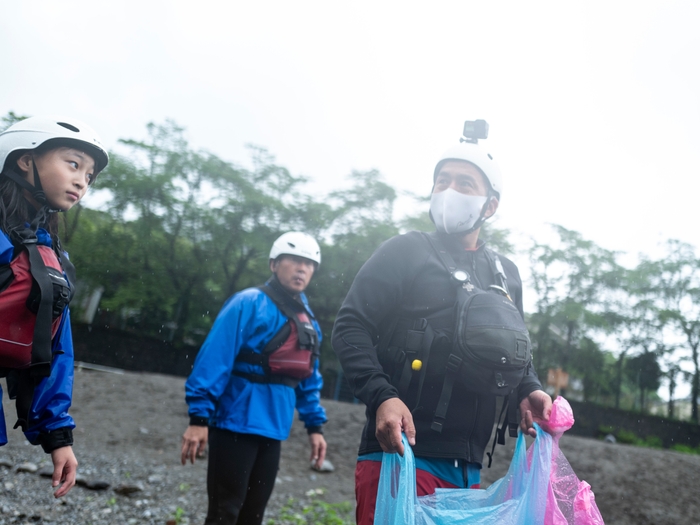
273 265
491 208
24 162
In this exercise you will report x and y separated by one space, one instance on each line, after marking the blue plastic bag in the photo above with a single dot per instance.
518 498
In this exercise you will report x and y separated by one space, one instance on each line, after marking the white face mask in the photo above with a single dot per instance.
454 212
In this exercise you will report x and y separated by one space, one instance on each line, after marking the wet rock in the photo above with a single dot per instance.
326 466
46 472
155 479
81 480
27 467
97 484
125 489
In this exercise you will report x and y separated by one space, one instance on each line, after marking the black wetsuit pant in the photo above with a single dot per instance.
240 476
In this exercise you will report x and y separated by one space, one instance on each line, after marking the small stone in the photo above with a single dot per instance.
155 478
81 480
8 485
132 521
143 430
4 462
128 488
610 439
326 466
97 484
146 514
46 472
27 467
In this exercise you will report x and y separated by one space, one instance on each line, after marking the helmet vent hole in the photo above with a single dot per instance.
291 245
68 126
490 156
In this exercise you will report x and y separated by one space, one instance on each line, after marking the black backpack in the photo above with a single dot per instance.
290 356
491 350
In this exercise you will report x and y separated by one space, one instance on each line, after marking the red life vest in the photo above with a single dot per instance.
20 302
290 356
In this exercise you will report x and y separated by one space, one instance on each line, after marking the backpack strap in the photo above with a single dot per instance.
451 369
500 435
274 379
444 256
41 342
498 273
308 339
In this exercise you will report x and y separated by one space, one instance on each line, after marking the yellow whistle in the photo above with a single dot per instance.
417 364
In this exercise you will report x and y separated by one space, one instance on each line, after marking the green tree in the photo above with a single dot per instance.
644 372
9 119
677 283
185 230
575 281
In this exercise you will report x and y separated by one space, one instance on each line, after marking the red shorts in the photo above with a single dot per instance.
367 484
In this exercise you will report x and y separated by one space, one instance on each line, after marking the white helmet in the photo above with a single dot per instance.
30 133
477 156
296 243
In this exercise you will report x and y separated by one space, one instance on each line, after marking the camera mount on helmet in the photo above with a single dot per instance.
475 130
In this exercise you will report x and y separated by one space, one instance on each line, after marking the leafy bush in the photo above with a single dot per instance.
314 512
604 430
686 449
627 437
651 442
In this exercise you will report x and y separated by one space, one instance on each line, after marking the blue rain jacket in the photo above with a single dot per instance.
52 397
249 319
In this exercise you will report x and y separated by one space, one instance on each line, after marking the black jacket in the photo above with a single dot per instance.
403 280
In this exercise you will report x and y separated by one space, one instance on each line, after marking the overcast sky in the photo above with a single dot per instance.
593 106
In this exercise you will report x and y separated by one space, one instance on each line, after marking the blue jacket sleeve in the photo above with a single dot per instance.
53 395
6 249
214 363
308 394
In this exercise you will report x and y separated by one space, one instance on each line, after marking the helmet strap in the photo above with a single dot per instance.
482 217
36 191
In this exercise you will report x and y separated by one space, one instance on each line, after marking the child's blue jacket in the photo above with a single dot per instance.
53 395
249 319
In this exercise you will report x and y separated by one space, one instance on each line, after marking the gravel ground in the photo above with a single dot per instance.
128 436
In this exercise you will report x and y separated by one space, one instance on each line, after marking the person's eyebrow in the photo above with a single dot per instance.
77 153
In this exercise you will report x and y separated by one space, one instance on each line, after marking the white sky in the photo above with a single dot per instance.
593 106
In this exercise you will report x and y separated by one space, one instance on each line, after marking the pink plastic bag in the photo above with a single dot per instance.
570 501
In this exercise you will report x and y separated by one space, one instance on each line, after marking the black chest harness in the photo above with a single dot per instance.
480 342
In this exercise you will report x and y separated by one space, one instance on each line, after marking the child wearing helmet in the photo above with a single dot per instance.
258 363
47 165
